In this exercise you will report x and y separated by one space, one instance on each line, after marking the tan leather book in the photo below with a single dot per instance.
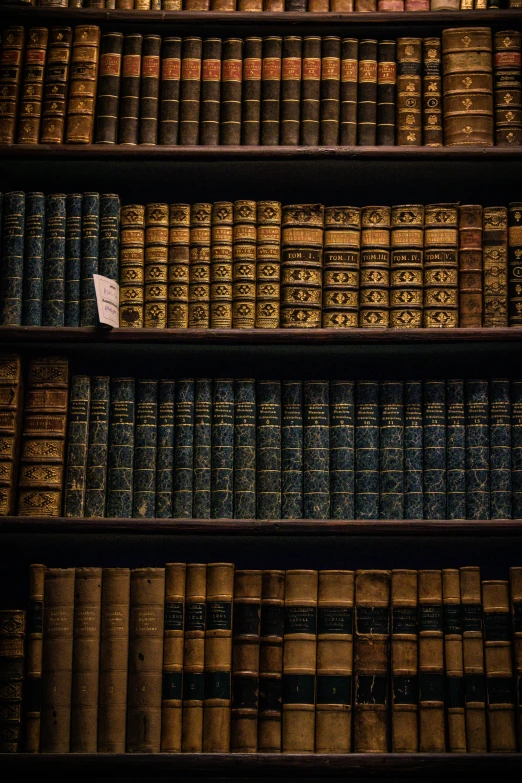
221 265
471 303
244 260
194 658
407 261
55 86
178 271
268 265
86 656
13 39
199 285
299 661
431 663
473 658
132 265
441 296
57 660
454 661
156 265
171 705
147 599
11 406
374 291
333 711
114 660
302 239
404 662
271 662
33 668
245 661
342 250
515 577
30 111
82 85
12 650
495 250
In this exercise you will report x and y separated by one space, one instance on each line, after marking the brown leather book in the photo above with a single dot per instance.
156 265
147 599
33 668
231 87
348 95
178 270
473 657
271 89
109 78
367 91
114 660
57 660
86 657
149 90
514 263
409 92
132 263
13 40
432 92
171 704
386 92
362 6
130 89
199 275
222 5
271 662
210 90
508 109
55 85
12 650
190 90
374 286
169 90
318 6
311 90
441 307
454 661
218 658
515 578
244 265
470 266
196 5
431 663
82 84
11 406
333 717
301 265
342 250
268 266
194 658
250 5
251 99
407 261
245 661
404 662
330 89
495 262
291 74
273 5
221 266
30 111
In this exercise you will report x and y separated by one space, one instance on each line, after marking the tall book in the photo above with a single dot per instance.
301 268
194 658
129 108
165 450
33 272
210 90
391 448
169 90
477 450
149 90
434 436
441 265
413 451
473 657
55 86
386 92
409 92
330 89
13 40
471 306
244 265
311 90
514 263
77 446
367 449
404 662
221 265
342 449
515 578
316 450
90 258
73 258
271 89
171 696
455 449
120 468
231 88
516 449
12 652
11 404
268 266
432 93
268 450
30 109
342 243
500 448
374 285
222 470
156 265
82 85
407 278
454 661
367 93
109 79
199 281
251 98
33 667
190 90
245 448
495 263
431 663
53 311
202 464
132 263
145 449
271 662
183 480
507 83
178 269
97 453
11 285
348 96
245 661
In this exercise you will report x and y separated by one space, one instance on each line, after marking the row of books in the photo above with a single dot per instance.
81 87
248 264
314 6
266 449
206 658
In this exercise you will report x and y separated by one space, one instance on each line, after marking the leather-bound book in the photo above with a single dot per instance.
109 78
413 451
77 444
514 263
183 449
55 85
73 258
132 263
365 5
273 5
201 500
145 449
409 92
271 89
13 40
367 449
199 275
500 448
90 257
178 268
371 661
318 6
120 469
500 683
473 656
515 578
406 284
250 5
468 86
271 662
190 90
295 5
299 661
156 265
434 437
404 662
222 470
196 5
495 262
516 449
367 90
292 450
114 642
149 90
454 663
146 625
97 452
110 209
477 449
57 660
245 661
11 285
342 449
221 265
32 289
43 438
12 651
171 703
470 266
169 90
330 89
268 266
218 658
431 663
11 402
441 307
374 295
130 89
194 658
291 69
33 667
244 265
53 311
341 6
432 92
222 5
348 93
316 450
245 448
82 84
268 450
333 717
210 90
391 448
342 250
311 91
30 110
386 92
165 452
508 109
251 101
231 87
455 449
301 268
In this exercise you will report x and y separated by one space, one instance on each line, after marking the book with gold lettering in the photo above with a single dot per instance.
409 92
129 108
82 85
342 250
268 264
407 262
441 307
495 264
507 75
30 110
178 266
210 90
169 90
109 79
374 285
55 85
244 265
199 276
132 265
156 265
301 265
221 265
11 53
471 305
173 640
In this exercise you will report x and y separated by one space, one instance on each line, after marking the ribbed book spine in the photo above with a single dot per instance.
90 258
190 90
432 93
413 451
222 474
316 451
33 668
245 448
32 291
453 661
244 265
342 243
470 266
97 452
477 450
268 450
271 89
13 40
183 450
456 450
55 85
495 261
199 280
77 444
145 449
268 264
11 401
83 81
210 90
374 290
434 434
330 89
231 88
251 99
292 450
311 91
13 226
291 74
301 267
515 575
132 261
507 85
221 265
194 658
171 690
109 236
156 265
473 655
271 662
109 79
178 270
514 263
391 447
441 265
386 92
409 92
367 450
129 109
30 109
431 663
73 258
12 652
121 448
202 447
342 450
367 93
348 95
500 448
149 90
404 662
54 265
407 278
516 449
165 452
169 90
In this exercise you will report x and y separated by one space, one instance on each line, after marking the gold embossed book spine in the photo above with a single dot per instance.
173 640
251 101
199 273
374 290
495 263
231 88
470 266
210 90
311 90
330 89
454 662
13 40
178 266
432 93
409 92
55 85
221 265
169 90
12 652
404 662
268 264
271 662
156 265
11 404
291 69
129 108
515 578
348 94
406 283
441 307
30 111
194 658
34 650
244 265
149 90
342 250
301 267
508 109
367 93
82 85
431 663
132 265
515 263
473 659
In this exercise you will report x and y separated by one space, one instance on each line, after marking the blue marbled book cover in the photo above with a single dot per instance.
268 447
90 258
77 445
222 474
165 456
54 266
121 448
13 227
73 258
477 449
413 451
391 444
33 259
145 449
367 450
456 449
316 495
500 448
183 449
434 424
245 448
292 450
202 447
98 451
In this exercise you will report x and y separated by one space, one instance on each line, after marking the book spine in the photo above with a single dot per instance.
190 90
132 265
342 450
367 93
434 434
271 89
495 261
268 265
231 87
406 284
454 663
500 448
183 450
121 447
90 258
432 93
114 643
413 451
271 662
245 661
149 90
178 268
477 450
210 90
367 450
302 239
404 662
431 663
145 449
348 93
316 450
169 90
202 448
455 450
199 279
156 265
333 718
221 265
129 109
470 266
311 91
473 655
171 697
222 473
386 92
291 75
292 450
516 448
251 104
11 287
245 449
82 84
12 650
507 84
165 449
109 78
514 263
342 243
30 109
54 264
515 578
55 85
330 89
109 236
409 91
194 658
97 452
13 41
391 447
33 669
268 450
244 265
73 258
441 294
374 281
146 627
33 269
77 444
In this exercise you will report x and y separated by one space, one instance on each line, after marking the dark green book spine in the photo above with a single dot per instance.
316 474
251 101
90 258
516 449
231 87
386 88
97 453
33 259
109 236
245 449
500 448
292 450
165 455
169 90
330 89
271 89
222 474
434 426
342 454
202 447
456 450
413 451
477 449
268 456
121 448
391 442
73 258
311 91
367 450
183 449
210 91
291 89
54 264
145 449
77 443
13 226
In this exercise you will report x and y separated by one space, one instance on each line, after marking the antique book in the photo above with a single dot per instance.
77 445
245 661
169 90
114 642
413 451
271 662
404 662
268 264
316 450
473 657
471 305
11 286
145 448
507 85
271 89
244 448
33 265
183 449
190 90
55 85
292 450
251 98
178 266
455 449
121 447
330 89
291 68
434 437
374 279
386 92
477 449
194 658
165 449
53 311
33 660
129 107
514 263
299 661
73 258
149 90
222 469
391 450
431 663
30 109
156 265
109 248
453 660
108 98
12 653
367 91
90 257
210 90
495 266
516 449
81 99
406 282
371 661
333 718
500 448
367 449
268 450
342 449
301 267
441 265
244 265
409 92
348 95
97 452
231 87
13 40
515 578
171 696
342 250
146 624
201 500
199 275
11 405
432 92
221 265
311 90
